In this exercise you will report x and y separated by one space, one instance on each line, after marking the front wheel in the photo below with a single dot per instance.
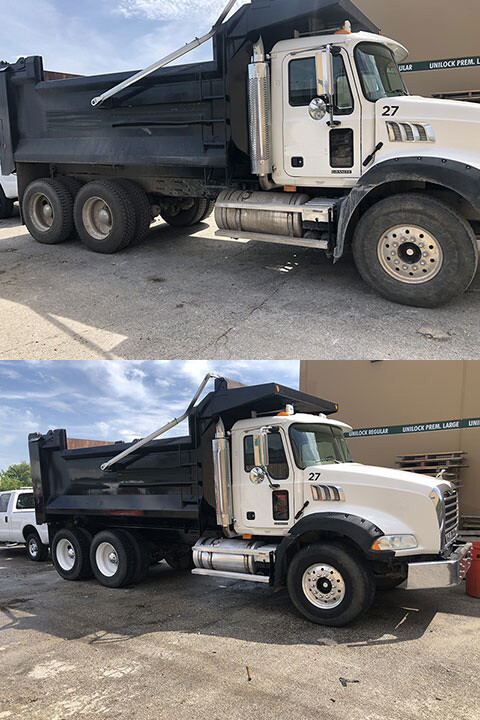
330 584
415 250
36 550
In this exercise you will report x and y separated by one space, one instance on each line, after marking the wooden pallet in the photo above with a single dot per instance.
432 463
469 528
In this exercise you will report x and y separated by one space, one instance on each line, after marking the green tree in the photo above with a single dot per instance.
15 477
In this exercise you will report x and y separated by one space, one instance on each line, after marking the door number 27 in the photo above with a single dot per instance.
390 110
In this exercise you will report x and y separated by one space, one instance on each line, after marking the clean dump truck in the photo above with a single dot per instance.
262 489
300 131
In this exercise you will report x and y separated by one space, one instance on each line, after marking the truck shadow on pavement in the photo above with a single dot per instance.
34 598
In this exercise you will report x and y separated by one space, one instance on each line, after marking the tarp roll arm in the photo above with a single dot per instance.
166 60
163 429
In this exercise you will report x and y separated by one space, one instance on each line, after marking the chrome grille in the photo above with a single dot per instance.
451 514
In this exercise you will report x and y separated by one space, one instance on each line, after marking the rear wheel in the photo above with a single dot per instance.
70 554
104 216
47 208
113 558
6 205
36 550
143 555
330 584
188 212
415 250
142 209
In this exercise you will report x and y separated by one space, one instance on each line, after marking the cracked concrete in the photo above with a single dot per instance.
181 295
183 647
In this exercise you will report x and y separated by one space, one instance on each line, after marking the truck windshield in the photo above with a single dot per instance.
379 73
318 445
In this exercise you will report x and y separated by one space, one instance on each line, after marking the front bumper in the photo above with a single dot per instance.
440 573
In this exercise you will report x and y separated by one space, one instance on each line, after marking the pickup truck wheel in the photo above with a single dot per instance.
190 216
113 559
36 550
415 250
330 584
142 208
47 208
104 216
70 554
6 205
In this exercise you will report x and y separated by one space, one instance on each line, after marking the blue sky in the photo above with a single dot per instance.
110 400
98 36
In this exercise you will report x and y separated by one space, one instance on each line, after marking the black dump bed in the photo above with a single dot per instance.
184 121
166 484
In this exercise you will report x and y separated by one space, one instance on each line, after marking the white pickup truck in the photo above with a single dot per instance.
18 525
8 194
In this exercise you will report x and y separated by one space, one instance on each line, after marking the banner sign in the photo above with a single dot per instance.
418 428
451 64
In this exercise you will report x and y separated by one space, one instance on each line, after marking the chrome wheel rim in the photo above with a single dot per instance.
410 254
97 218
33 547
40 211
106 559
66 555
323 586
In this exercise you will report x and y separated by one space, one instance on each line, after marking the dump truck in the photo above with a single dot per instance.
262 489
300 132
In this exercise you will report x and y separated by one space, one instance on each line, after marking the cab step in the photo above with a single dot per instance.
231 575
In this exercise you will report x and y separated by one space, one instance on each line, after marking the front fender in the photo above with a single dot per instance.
361 532
458 177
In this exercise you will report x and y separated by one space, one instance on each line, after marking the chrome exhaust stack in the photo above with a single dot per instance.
223 480
260 114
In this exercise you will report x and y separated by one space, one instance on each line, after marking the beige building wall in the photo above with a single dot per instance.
386 393
432 30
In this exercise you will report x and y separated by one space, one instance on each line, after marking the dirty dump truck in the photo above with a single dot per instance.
262 489
299 132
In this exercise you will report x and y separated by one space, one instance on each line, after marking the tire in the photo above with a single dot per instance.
72 184
142 208
6 205
350 574
36 550
208 210
47 208
415 250
192 216
104 216
142 555
180 559
106 545
71 545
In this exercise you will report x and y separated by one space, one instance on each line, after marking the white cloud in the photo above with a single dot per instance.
207 10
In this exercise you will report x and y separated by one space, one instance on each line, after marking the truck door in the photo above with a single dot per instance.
258 506
4 521
313 149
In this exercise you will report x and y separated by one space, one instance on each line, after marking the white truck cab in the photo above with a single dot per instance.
18 523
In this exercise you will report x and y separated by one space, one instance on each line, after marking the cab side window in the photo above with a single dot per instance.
302 76
4 499
25 501
278 466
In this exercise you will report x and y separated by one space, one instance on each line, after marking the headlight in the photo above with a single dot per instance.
437 498
395 542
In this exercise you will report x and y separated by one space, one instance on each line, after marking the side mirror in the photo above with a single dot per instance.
317 108
328 80
260 448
